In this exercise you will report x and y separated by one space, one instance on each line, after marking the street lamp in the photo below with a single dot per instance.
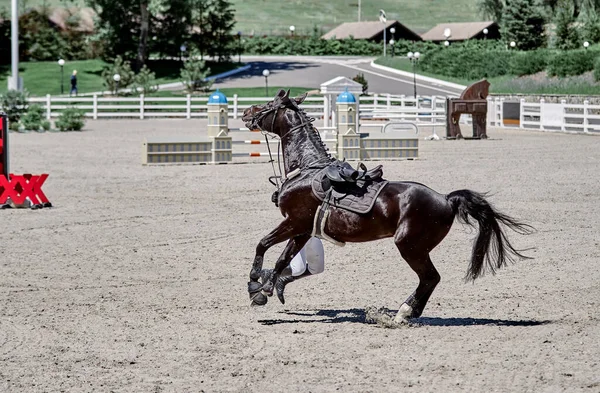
117 78
61 63
586 44
414 59
292 29
485 33
266 75
182 49
239 34
513 44
447 43
447 33
392 42
383 19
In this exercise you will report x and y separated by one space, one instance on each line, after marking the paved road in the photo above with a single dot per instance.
310 72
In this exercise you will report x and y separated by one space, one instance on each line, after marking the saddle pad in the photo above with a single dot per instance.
356 197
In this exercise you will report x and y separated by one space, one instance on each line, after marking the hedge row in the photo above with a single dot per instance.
469 62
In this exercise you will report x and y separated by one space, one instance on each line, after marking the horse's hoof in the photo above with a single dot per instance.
404 314
254 287
259 299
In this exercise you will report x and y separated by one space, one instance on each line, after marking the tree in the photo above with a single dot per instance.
491 9
567 35
221 20
523 23
194 74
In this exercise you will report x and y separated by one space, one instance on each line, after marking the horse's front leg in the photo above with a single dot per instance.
284 231
291 249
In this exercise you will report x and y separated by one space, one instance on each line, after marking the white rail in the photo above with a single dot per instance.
429 110
542 115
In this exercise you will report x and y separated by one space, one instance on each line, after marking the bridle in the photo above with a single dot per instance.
274 108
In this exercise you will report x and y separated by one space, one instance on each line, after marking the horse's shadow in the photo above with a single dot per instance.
357 315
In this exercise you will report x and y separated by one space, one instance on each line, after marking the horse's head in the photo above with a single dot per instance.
265 116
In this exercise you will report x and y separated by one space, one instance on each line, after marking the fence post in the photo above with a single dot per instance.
327 110
48 107
563 103
142 106
95 107
433 109
389 101
521 114
235 106
375 101
502 113
542 102
188 108
586 103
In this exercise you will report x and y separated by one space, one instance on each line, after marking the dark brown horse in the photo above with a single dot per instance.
417 217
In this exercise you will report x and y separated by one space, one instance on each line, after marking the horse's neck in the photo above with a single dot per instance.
301 147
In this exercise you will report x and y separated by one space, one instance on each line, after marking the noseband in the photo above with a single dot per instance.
259 116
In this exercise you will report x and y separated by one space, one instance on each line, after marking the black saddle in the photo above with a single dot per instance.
342 172
340 185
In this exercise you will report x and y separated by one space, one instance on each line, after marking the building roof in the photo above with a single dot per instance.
364 30
217 98
83 17
459 31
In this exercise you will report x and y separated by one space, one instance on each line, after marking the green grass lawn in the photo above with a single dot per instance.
241 92
509 84
403 64
43 77
275 17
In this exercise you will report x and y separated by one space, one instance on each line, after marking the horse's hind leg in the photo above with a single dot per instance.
418 259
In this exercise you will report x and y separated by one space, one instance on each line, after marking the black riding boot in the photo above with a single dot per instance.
284 279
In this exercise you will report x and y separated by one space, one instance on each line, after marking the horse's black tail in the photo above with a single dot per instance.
491 244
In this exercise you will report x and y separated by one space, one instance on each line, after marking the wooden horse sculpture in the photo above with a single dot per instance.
415 216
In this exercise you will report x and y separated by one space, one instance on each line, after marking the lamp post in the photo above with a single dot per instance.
266 75
392 42
116 78
414 59
447 33
61 63
586 44
292 29
383 19
485 33
239 34
513 44
446 43
182 50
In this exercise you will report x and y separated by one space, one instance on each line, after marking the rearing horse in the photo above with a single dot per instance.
417 217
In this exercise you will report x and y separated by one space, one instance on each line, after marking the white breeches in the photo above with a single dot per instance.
312 256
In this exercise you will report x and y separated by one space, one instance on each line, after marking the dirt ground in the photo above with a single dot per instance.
136 280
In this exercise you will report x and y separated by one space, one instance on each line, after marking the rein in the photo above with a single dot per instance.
307 121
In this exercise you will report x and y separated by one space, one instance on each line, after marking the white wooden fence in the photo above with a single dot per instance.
547 116
420 109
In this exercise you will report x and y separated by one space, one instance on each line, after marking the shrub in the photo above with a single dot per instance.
467 61
121 67
145 81
194 73
572 62
14 103
71 119
597 69
34 119
528 63
360 78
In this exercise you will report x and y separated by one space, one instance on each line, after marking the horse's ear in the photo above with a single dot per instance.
300 99
280 94
287 94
